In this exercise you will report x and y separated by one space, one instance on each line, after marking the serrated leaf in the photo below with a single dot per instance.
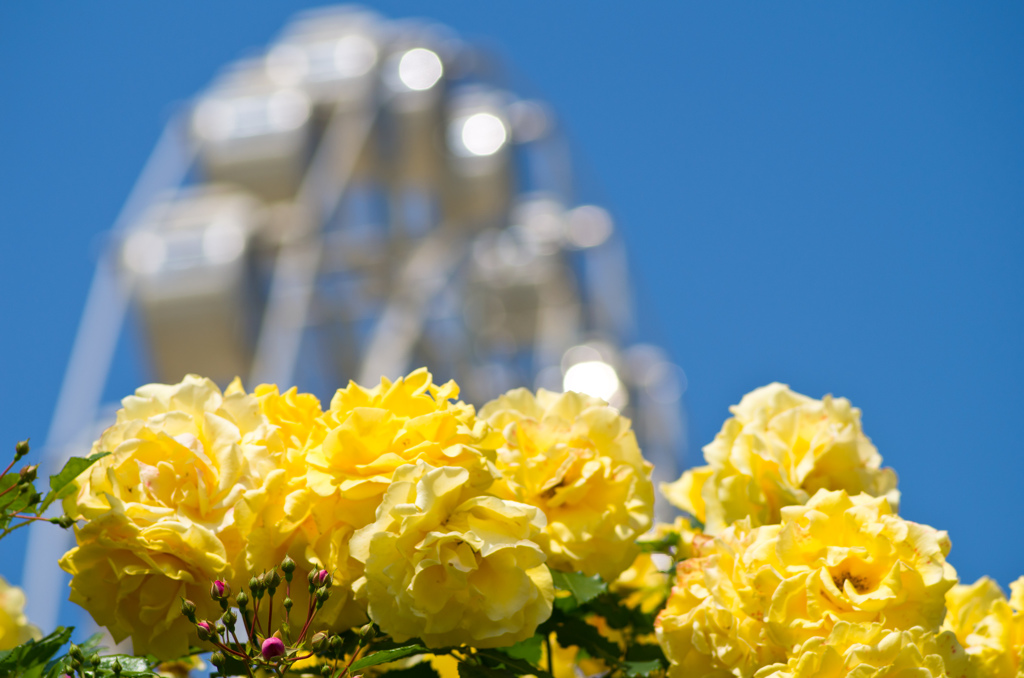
519 667
421 670
582 587
641 669
9 480
92 644
385 656
34 654
130 665
645 652
467 670
16 500
574 631
72 469
619 616
233 666
529 650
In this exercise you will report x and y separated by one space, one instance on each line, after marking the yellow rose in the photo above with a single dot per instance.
989 626
778 449
368 433
160 509
713 622
284 516
14 626
449 565
295 416
872 651
356 446
576 459
757 591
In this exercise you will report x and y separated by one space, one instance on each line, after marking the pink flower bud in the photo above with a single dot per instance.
219 589
204 630
272 647
322 577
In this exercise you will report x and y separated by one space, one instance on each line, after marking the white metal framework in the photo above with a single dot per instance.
360 200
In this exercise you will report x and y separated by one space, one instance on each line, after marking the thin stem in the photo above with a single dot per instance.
288 611
270 611
8 530
310 613
247 624
551 657
235 635
9 488
9 467
355 653
24 517
227 648
256 616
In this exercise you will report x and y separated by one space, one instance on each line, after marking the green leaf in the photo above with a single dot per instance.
72 469
385 656
130 666
421 670
619 616
575 631
582 587
529 650
233 666
92 644
8 480
662 545
644 652
467 670
34 654
641 669
519 667
16 500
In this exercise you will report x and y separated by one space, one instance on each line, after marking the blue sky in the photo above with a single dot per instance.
825 194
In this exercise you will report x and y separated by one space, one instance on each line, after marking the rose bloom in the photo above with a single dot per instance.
355 447
160 509
988 625
778 449
14 626
450 565
368 433
755 594
575 458
286 517
873 651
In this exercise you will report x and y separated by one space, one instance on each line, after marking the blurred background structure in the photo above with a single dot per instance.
827 195
361 199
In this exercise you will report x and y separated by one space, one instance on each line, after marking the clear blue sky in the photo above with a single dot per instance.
825 194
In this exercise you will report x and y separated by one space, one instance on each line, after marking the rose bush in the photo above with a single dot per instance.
399 530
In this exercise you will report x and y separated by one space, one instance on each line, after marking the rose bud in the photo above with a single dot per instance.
272 647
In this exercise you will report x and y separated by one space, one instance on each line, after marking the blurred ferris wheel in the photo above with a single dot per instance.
362 198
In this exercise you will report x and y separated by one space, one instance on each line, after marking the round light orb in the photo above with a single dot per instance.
483 134
420 69
593 378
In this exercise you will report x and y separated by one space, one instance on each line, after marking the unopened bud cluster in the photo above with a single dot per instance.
268 642
87 664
